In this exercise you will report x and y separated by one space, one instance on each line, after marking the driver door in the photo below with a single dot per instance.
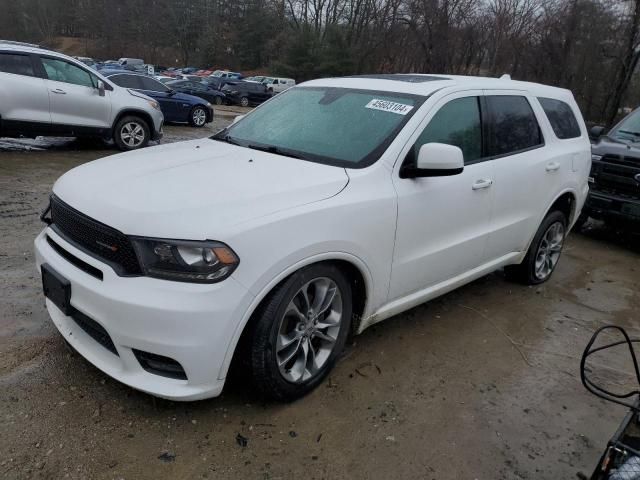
74 100
443 222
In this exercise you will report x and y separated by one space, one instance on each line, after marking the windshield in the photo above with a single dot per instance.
628 129
336 126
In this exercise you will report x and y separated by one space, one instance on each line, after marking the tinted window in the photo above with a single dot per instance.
126 81
17 64
63 71
513 127
457 123
152 85
561 117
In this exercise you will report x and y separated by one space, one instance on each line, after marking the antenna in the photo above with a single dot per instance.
505 76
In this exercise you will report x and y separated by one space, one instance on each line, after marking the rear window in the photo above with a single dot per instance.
561 117
513 126
16 64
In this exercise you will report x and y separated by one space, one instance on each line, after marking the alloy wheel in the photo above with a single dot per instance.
309 329
549 250
132 134
199 117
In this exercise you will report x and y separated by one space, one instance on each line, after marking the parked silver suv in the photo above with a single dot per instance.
45 93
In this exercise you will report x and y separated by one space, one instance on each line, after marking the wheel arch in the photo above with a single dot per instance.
356 272
134 112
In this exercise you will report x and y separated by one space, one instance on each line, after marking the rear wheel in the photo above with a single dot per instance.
198 117
544 252
299 332
131 133
218 101
244 101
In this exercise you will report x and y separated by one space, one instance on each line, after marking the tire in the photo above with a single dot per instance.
278 345
218 101
544 252
198 116
131 133
244 102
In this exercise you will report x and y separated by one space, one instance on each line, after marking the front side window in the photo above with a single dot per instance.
513 126
16 64
336 126
457 123
152 85
561 118
63 71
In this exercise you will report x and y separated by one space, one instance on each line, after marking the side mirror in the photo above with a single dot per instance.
101 88
435 160
237 119
596 132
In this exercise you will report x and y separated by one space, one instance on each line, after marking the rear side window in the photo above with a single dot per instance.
513 127
16 64
561 117
126 81
456 123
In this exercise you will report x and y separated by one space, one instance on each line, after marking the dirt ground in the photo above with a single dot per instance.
480 384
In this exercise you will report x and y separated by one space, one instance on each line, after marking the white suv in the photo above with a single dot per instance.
49 94
333 206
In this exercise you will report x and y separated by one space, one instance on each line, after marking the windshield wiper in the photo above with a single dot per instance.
629 132
277 151
226 139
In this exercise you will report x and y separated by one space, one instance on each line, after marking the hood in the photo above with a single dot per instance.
607 146
194 190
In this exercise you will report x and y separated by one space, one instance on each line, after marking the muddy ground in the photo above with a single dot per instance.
480 384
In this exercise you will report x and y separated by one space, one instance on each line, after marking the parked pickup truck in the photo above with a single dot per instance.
615 173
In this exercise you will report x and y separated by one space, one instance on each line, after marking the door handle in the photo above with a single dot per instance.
552 166
60 91
482 183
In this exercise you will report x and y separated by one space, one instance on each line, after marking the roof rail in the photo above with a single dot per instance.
20 44
505 76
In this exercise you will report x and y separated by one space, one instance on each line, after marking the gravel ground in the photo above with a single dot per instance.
480 384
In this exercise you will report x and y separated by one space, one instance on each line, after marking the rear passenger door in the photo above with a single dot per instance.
526 178
24 101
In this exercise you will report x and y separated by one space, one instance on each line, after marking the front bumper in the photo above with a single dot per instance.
601 205
192 324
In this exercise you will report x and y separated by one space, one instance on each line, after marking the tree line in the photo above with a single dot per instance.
589 46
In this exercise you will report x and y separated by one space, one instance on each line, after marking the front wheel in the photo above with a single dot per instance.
218 100
299 332
198 117
544 252
244 102
131 133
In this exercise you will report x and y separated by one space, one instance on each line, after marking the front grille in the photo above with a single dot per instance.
95 238
616 175
84 266
94 330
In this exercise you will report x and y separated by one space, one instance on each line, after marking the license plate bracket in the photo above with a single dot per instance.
57 289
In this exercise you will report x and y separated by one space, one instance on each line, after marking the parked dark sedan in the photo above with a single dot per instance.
176 106
198 89
246 93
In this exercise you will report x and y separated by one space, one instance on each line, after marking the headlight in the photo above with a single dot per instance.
185 261
596 157
154 104
209 105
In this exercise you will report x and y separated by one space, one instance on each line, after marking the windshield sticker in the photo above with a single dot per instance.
387 106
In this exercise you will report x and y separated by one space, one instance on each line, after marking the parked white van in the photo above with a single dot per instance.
277 85
333 206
